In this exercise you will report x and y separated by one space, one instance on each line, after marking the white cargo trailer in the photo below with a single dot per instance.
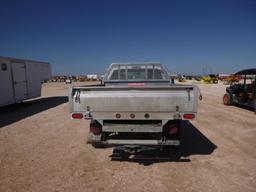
21 79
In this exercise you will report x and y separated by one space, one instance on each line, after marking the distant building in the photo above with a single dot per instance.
92 76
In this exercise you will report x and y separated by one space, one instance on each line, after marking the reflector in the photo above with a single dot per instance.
77 115
136 84
173 130
188 116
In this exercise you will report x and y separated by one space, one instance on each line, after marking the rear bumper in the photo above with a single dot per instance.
96 139
141 142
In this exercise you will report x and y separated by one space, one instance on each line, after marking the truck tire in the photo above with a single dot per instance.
227 99
170 149
98 145
254 105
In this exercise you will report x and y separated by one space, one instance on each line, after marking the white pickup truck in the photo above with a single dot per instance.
136 105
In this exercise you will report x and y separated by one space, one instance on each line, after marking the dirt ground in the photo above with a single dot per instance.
42 149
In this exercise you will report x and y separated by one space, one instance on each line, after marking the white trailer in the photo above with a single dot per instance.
21 79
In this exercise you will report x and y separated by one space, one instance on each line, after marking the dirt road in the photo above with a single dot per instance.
42 149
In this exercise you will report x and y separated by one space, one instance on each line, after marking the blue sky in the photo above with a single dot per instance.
85 36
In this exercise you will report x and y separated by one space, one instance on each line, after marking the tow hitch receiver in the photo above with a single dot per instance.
125 151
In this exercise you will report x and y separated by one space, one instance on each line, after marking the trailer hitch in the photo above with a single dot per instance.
132 149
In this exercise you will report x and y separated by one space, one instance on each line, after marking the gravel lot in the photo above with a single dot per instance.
42 149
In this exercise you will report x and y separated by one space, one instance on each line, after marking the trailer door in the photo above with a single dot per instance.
19 81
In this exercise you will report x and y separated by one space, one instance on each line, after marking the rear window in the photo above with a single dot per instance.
137 72
114 75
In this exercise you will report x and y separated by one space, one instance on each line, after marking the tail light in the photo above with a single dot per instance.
172 127
95 128
173 130
189 116
77 115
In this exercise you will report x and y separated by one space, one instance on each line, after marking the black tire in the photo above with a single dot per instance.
254 105
124 155
227 99
171 149
98 145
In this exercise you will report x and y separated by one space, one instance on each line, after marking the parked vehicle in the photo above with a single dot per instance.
210 79
68 81
21 79
59 78
242 92
136 105
181 78
227 80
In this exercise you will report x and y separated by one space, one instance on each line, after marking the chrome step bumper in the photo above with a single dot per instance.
141 142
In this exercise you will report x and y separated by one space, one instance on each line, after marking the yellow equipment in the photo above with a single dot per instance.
210 79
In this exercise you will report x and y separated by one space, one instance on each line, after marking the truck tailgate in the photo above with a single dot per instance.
134 99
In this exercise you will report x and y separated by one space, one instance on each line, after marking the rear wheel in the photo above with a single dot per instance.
227 100
254 104
98 145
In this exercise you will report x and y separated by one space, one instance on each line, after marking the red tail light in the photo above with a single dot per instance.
188 116
173 130
77 115
95 128
172 127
